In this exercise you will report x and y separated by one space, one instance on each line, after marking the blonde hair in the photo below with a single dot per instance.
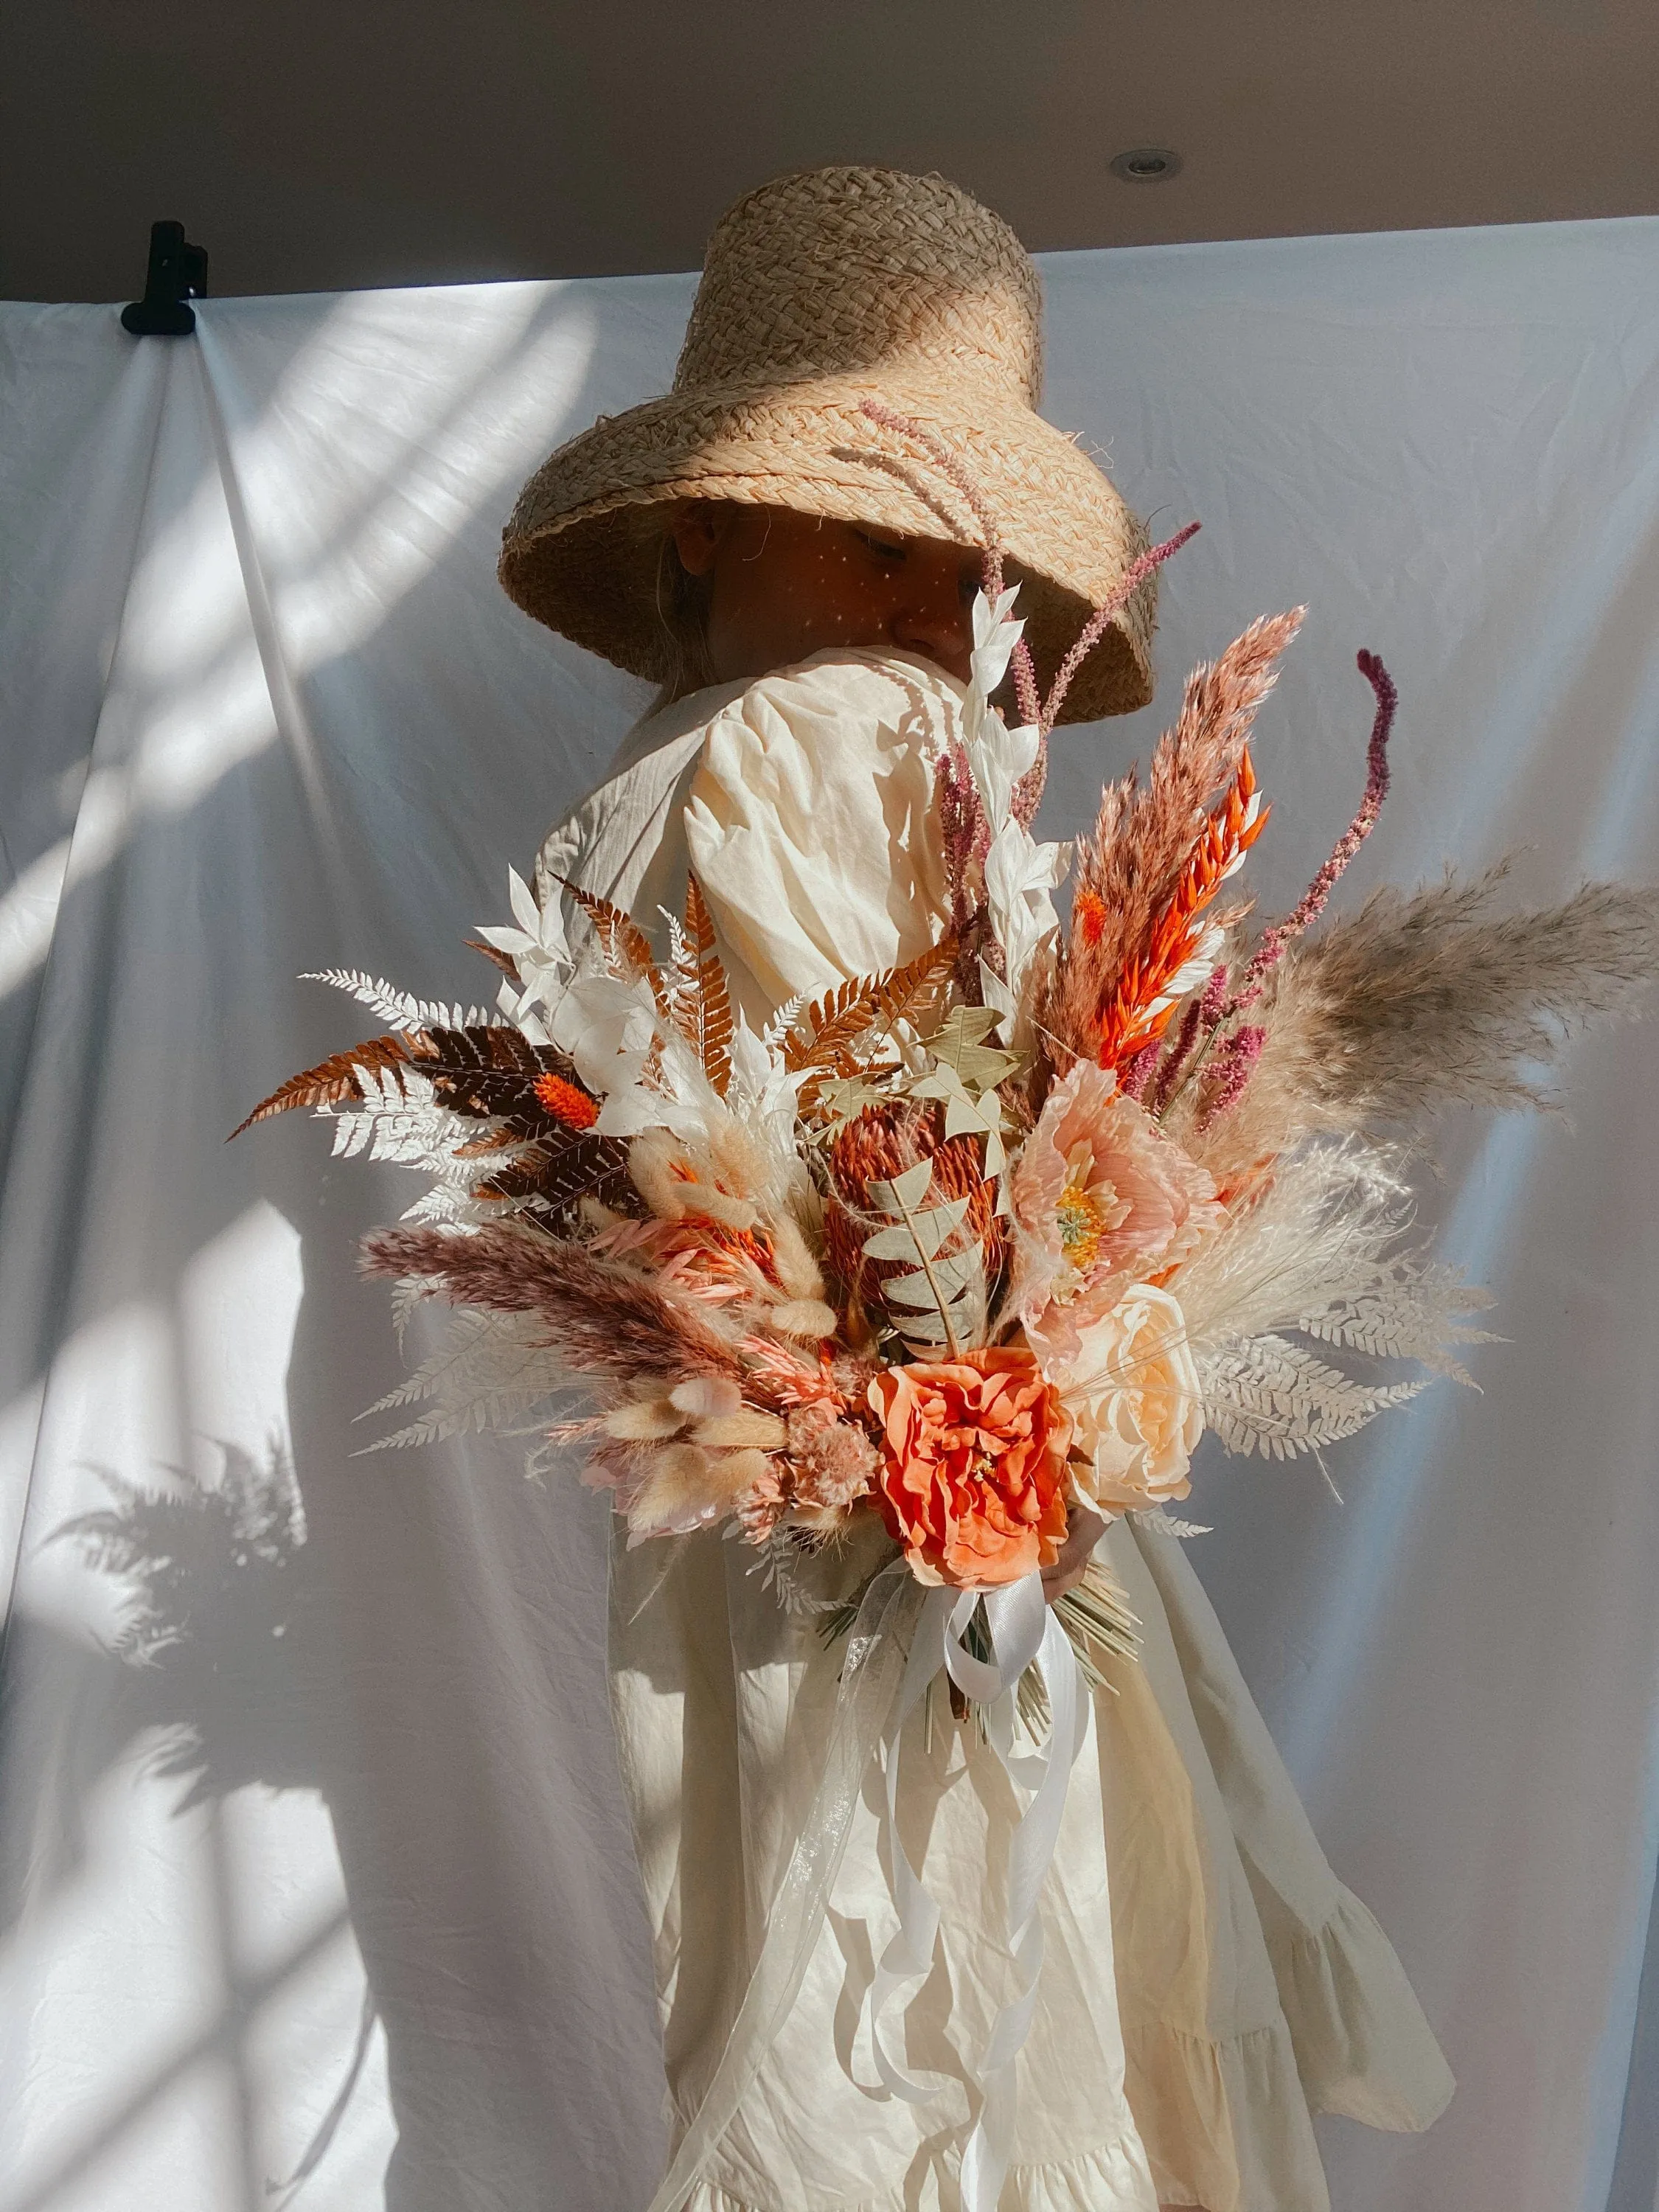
682 606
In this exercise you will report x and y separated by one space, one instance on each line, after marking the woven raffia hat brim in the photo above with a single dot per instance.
887 288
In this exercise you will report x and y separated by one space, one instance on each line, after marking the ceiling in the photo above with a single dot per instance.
319 144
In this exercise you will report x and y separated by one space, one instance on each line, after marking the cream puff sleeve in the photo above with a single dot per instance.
811 822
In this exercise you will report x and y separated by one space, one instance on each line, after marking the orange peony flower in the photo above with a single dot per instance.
973 1466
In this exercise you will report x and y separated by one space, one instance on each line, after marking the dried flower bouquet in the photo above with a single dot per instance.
996 1234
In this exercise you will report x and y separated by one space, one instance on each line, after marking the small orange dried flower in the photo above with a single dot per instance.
565 1102
1089 917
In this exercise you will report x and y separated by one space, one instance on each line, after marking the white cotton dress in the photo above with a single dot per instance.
1208 1984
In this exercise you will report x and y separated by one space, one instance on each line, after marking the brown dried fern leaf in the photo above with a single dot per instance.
336 1078
504 961
494 1073
552 1176
624 945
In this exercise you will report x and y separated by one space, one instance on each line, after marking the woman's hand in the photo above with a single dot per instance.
1085 1531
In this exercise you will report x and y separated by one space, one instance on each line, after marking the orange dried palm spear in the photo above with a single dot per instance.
1181 946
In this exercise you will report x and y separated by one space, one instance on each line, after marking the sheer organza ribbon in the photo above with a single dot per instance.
870 1677
1021 1629
904 1636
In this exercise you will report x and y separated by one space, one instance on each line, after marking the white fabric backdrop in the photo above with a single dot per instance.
265 710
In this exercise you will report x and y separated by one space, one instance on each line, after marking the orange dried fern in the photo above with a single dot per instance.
334 1080
700 1001
822 1040
624 946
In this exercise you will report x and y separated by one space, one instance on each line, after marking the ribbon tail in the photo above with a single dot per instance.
908 1958
990 2144
871 1677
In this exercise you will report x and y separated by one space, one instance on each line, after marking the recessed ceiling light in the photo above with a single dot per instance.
1146 164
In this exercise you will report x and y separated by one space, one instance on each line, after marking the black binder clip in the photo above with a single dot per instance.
178 272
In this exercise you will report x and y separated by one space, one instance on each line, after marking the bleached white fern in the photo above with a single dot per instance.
1411 1308
1271 1396
1319 1250
778 1028
1318 1254
408 1292
397 1119
1169 1524
400 1008
454 1204
488 1371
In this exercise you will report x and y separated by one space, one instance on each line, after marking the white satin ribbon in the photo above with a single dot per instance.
1022 1628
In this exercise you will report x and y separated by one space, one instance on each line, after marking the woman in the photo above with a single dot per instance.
790 542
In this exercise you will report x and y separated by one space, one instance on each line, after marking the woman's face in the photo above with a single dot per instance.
784 585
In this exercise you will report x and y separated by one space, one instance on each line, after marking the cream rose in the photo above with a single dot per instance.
1132 1389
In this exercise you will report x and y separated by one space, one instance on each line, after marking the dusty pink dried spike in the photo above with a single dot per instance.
1201 1014
1136 1072
1095 629
1235 1063
1312 904
1025 685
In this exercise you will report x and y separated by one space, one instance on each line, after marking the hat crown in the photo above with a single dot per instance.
831 271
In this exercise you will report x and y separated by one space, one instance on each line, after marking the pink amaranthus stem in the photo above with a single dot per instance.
1136 1072
1202 1014
1271 949
1231 1070
1033 710
1095 629
1025 687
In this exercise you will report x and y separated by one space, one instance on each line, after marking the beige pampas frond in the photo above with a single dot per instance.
1428 998
1318 1252
493 1369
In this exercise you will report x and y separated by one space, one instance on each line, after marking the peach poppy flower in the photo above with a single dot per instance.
1102 1196
973 1476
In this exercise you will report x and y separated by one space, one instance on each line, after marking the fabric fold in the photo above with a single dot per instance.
1363 2047
1224 2121
1104 2176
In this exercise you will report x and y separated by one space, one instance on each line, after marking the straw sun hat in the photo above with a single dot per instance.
823 290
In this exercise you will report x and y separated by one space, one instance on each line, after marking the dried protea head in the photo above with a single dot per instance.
879 1144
